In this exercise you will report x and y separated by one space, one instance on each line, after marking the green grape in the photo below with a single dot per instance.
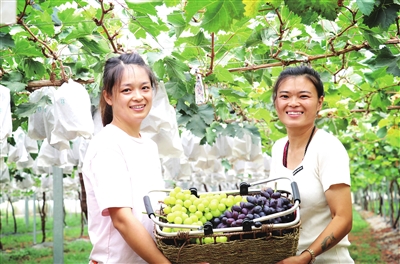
208 240
184 216
171 217
221 207
197 201
167 200
187 203
180 196
213 204
193 198
192 208
194 218
229 201
177 189
167 229
188 221
215 213
205 202
199 214
186 196
222 239
167 209
178 220
238 198
200 207
208 215
176 207
203 219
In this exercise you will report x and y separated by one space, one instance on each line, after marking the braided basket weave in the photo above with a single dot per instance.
266 245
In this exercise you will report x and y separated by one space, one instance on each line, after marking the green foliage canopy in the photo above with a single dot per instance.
239 48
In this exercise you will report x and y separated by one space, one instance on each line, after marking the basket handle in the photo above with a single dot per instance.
147 204
295 192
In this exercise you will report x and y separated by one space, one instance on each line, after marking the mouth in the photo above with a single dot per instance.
137 107
294 113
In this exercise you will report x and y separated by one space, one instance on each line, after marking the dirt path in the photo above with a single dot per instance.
385 236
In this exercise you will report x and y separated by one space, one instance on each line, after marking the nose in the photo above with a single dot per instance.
137 95
293 101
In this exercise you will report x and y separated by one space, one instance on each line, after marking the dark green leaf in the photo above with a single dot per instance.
366 6
383 15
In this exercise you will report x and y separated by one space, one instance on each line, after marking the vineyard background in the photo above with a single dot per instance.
233 51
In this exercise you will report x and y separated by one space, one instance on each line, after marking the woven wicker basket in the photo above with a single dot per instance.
265 245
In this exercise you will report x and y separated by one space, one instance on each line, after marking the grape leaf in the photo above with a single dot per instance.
144 7
197 126
386 58
251 7
177 21
383 15
219 15
366 6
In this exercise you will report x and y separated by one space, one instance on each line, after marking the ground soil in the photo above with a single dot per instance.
387 238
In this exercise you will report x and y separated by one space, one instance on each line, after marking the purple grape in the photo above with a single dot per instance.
239 222
265 194
236 208
228 214
279 202
262 200
257 209
269 190
245 211
223 220
251 199
248 205
250 216
229 221
221 225
241 216
276 195
258 224
272 203
235 215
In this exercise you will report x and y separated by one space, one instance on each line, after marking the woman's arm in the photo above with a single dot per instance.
136 235
339 201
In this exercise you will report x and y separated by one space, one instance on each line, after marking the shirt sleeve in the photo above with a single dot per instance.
334 166
113 186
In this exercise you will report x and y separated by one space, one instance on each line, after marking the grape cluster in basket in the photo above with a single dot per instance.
222 210
265 203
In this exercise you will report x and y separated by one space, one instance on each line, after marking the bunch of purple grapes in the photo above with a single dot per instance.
267 202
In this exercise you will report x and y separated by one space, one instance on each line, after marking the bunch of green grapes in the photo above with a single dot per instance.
183 207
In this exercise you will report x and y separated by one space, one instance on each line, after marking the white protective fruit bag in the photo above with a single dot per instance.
5 113
4 172
72 115
161 125
39 121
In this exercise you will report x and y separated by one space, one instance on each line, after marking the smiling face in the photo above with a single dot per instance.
297 102
131 100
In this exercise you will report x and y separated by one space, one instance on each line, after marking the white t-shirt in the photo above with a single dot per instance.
118 171
326 163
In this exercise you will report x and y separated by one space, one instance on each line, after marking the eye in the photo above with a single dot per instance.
126 90
146 88
284 96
